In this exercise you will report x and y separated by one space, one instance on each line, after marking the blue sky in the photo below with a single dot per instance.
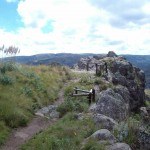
9 17
76 26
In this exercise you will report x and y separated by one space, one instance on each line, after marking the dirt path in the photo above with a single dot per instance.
21 135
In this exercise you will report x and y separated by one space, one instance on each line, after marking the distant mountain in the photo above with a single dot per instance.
68 59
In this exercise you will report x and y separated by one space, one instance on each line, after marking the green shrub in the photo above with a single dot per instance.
7 67
27 91
72 104
98 81
31 75
6 80
86 79
4 132
147 103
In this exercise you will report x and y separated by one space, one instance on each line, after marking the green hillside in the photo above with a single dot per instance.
25 89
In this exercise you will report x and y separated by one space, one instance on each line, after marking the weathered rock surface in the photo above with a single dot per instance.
144 140
111 54
123 73
104 121
112 105
145 115
119 146
103 135
49 112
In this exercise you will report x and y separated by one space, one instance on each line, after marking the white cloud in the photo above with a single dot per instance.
79 26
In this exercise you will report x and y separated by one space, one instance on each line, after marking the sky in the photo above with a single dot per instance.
76 26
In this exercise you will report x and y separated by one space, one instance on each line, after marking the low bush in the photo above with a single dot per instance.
6 80
7 67
27 91
72 105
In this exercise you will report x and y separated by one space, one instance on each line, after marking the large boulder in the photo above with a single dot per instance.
105 122
112 105
103 135
119 146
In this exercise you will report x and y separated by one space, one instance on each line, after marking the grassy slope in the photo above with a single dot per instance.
69 132
25 89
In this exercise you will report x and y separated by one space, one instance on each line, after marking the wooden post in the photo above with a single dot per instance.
106 67
87 66
76 91
90 96
96 69
93 93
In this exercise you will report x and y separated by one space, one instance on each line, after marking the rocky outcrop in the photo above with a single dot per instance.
118 71
121 72
124 93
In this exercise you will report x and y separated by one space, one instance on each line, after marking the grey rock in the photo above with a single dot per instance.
111 54
103 135
104 121
54 114
92 107
144 113
112 105
123 91
144 140
44 110
79 116
49 112
119 146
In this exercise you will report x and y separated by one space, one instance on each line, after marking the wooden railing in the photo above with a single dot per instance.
99 67
89 94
